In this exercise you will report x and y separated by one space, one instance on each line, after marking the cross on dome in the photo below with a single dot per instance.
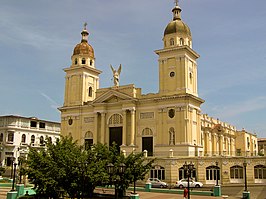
85 26
176 2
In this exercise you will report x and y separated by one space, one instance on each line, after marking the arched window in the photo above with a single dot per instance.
236 172
157 172
76 61
171 136
172 42
10 136
146 132
1 137
212 173
90 91
88 140
116 119
41 141
181 41
183 174
23 138
260 172
32 139
83 61
91 62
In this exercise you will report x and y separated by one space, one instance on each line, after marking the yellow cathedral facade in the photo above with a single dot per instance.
167 125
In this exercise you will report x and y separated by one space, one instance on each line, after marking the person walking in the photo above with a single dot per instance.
185 193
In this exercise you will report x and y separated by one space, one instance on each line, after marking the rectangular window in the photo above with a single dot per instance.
42 125
33 124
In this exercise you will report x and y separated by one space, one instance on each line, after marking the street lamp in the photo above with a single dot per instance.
245 175
20 160
216 172
119 171
83 167
12 163
246 193
14 175
134 175
188 168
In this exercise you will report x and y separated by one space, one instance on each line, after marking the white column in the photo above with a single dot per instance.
102 127
133 121
95 133
221 145
124 138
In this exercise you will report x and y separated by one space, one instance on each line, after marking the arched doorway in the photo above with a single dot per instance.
115 130
88 140
147 141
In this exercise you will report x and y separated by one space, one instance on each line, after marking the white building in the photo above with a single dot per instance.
17 133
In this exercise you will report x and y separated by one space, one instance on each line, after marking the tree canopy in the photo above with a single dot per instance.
67 167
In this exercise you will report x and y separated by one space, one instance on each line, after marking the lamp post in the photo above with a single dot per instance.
217 188
216 163
12 164
188 168
1 149
20 159
246 193
245 175
120 170
134 176
14 177
83 167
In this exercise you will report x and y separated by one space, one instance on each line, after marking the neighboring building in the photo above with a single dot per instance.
18 133
262 146
246 143
169 124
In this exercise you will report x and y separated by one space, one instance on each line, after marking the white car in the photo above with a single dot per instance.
156 183
184 183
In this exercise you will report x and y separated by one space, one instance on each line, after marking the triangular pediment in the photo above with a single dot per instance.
112 96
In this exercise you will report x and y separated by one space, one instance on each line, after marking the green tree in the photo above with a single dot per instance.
136 167
2 170
66 166
55 168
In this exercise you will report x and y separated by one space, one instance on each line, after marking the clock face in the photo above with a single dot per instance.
171 113
172 74
70 121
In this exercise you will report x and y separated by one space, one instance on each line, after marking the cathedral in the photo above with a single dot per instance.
167 125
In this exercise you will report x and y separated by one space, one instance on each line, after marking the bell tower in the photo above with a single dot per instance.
177 60
82 78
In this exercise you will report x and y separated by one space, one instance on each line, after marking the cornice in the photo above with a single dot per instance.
178 48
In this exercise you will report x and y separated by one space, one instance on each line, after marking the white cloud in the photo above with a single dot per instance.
53 103
250 105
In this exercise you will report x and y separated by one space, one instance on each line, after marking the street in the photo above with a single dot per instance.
234 192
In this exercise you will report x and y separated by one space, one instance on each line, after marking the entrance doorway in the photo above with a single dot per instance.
115 135
147 144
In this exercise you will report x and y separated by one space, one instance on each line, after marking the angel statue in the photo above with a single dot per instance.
116 74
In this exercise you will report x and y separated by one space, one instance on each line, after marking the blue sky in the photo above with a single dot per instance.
37 39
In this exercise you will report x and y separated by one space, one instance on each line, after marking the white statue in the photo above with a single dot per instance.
116 74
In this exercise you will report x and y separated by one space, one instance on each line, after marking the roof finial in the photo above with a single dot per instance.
176 11
84 33
85 26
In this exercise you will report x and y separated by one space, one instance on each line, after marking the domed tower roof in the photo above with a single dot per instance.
84 48
177 25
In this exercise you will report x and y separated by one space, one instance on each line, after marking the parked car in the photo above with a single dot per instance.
156 183
184 183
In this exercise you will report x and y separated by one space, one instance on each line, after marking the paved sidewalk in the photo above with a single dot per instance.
143 195
152 195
